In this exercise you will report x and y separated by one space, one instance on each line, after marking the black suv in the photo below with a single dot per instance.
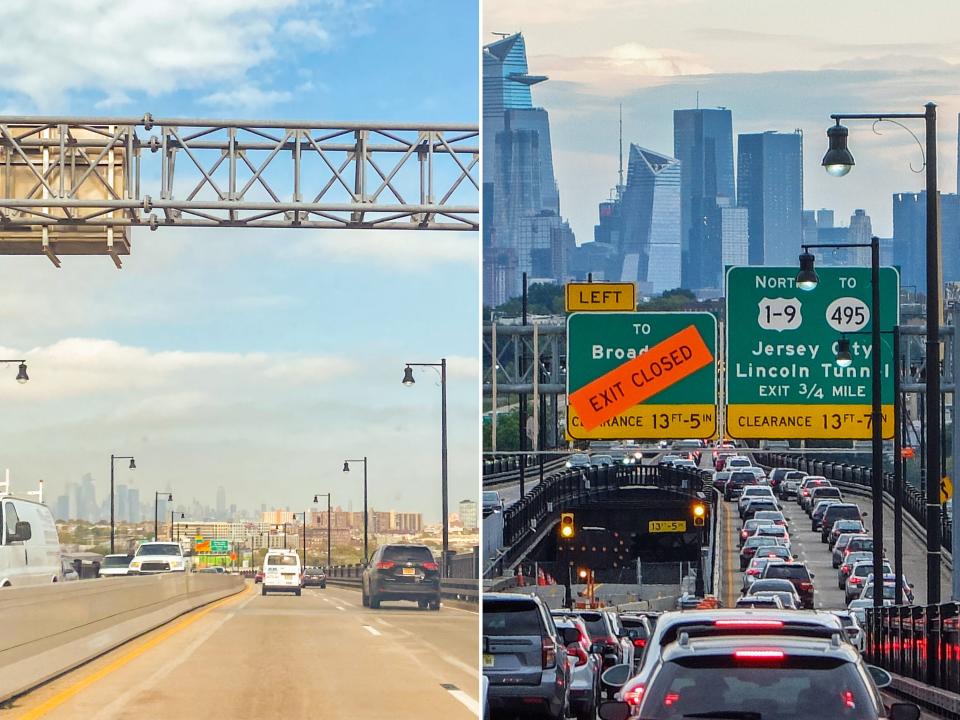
840 511
796 573
737 482
402 572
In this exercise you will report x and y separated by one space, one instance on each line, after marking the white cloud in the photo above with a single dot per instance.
634 58
246 97
93 367
120 47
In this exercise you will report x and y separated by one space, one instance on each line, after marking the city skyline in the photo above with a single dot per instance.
809 72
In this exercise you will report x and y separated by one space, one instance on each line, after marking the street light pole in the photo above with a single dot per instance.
366 513
133 466
807 280
182 516
315 499
22 376
304 561
408 380
838 161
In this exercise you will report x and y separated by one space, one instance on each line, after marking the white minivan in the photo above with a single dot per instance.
281 572
29 544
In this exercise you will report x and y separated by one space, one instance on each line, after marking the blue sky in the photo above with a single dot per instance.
776 65
255 359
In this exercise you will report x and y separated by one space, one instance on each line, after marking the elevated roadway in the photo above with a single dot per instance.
319 655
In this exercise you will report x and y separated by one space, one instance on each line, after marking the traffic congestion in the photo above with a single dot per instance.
788 645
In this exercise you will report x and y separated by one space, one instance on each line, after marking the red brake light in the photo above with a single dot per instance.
385 564
855 580
758 654
806 585
670 698
578 651
753 571
549 653
847 698
748 623
743 533
844 568
430 566
633 696
639 642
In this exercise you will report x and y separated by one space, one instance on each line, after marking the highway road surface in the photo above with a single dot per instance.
321 655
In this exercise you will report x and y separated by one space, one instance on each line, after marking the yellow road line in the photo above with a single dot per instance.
67 693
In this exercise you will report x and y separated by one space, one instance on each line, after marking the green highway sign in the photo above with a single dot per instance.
219 546
782 378
601 342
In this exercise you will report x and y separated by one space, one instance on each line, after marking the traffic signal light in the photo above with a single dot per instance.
699 514
566 525
583 573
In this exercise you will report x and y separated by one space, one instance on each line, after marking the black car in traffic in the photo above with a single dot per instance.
402 572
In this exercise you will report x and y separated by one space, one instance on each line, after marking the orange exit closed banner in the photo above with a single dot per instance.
641 378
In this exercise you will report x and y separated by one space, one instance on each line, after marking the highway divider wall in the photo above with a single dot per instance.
465 589
51 629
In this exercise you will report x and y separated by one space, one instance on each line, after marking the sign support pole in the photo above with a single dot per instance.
955 535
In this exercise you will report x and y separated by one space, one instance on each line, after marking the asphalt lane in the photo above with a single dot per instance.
321 655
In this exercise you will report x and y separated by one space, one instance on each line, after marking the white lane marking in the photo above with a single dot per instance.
118 707
469 669
371 630
471 704
328 600
341 608
384 622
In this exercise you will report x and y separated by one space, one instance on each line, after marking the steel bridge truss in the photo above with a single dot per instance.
76 185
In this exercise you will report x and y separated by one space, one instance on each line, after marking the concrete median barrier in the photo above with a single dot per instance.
51 629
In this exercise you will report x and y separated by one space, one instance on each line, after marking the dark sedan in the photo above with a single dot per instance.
402 572
314 577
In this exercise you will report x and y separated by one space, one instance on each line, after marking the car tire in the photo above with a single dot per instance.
374 602
423 604
435 605
263 590
364 599
297 592
323 586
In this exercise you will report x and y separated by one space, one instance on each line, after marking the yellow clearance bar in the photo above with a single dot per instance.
650 422
600 297
797 422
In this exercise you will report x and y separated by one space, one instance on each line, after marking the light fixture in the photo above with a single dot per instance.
838 160
408 376
133 465
844 358
170 497
316 498
22 376
346 468
807 278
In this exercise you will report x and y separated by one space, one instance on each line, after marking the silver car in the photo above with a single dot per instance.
857 578
587 665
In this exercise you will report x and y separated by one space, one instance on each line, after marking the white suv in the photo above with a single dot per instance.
157 557
281 572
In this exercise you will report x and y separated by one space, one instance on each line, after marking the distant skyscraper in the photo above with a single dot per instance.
519 182
133 504
734 234
221 503
910 233
703 143
860 233
468 514
651 222
770 186
122 509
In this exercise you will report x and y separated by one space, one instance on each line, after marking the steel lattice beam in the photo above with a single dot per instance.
74 175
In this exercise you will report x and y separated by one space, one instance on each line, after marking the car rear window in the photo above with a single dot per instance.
795 686
158 550
281 560
512 617
788 572
407 553
595 625
860 545
122 561
849 512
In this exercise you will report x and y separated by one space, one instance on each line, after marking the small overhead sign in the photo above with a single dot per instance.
946 489
661 526
600 297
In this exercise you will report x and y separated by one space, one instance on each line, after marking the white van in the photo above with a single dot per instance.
29 544
281 572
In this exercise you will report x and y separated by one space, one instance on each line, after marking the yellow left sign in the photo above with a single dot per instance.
600 297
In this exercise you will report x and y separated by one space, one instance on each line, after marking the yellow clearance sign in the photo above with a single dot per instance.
600 297
796 422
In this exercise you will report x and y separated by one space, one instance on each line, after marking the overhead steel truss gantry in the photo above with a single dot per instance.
75 185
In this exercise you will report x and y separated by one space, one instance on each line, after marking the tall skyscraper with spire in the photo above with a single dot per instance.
523 230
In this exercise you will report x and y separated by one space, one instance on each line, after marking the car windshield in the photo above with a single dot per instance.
407 553
579 459
491 497
161 549
889 592
116 561
502 617
783 689
282 560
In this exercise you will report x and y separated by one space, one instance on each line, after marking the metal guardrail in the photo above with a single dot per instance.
465 589
902 639
860 477
506 469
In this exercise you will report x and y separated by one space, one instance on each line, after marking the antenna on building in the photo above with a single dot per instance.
501 34
620 183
